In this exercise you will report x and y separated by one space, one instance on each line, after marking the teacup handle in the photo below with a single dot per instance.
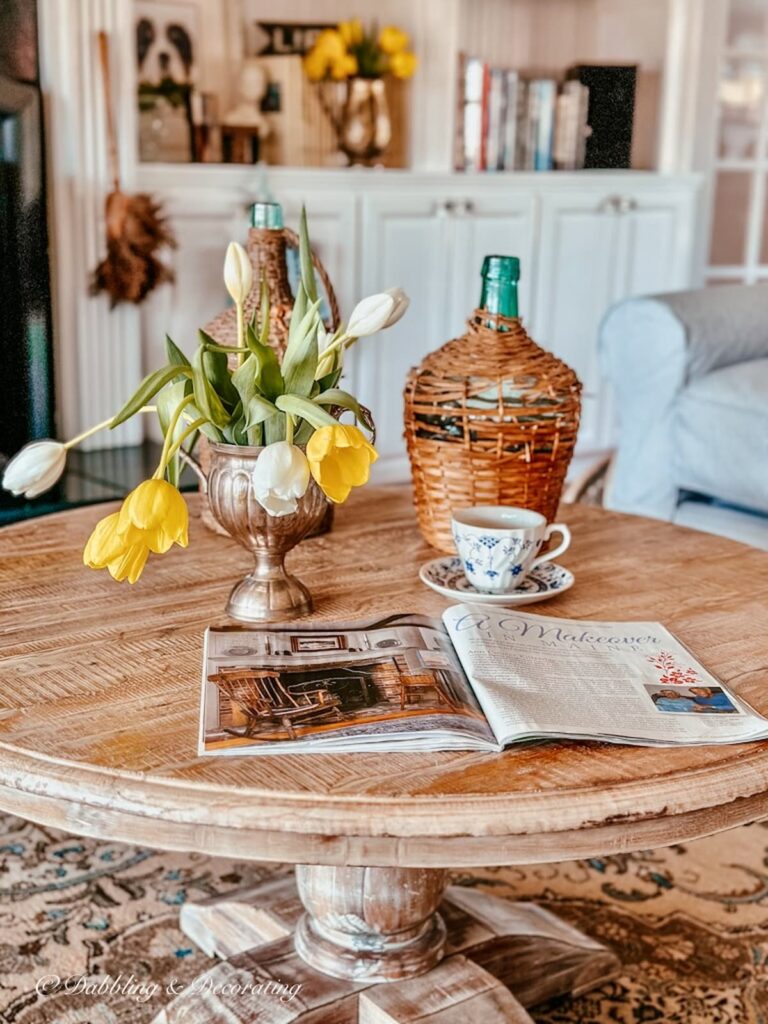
563 546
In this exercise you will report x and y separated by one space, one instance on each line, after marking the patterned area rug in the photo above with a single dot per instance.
690 924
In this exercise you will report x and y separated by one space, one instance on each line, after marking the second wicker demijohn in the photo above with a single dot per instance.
490 418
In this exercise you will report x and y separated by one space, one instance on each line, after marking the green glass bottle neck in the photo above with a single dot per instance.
499 295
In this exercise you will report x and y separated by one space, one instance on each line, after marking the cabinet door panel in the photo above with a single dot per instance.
651 236
575 287
403 243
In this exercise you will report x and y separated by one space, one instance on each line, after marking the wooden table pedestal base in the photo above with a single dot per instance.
324 948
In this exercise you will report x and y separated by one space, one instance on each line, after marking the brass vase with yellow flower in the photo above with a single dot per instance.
279 452
361 60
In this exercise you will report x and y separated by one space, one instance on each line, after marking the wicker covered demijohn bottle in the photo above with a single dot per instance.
490 418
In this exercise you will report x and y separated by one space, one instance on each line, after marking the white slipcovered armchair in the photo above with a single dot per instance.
690 376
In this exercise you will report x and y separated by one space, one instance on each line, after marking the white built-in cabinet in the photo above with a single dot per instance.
585 241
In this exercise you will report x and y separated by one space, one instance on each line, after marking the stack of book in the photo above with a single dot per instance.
509 122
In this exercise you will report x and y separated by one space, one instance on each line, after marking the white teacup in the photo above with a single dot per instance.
498 544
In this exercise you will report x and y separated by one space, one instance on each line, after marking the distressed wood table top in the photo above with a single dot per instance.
100 687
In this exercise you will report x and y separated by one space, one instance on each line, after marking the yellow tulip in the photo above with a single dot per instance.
123 555
157 511
340 458
343 67
351 32
392 39
403 65
315 65
330 43
152 518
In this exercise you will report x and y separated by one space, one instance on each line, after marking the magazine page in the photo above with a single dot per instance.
392 683
623 681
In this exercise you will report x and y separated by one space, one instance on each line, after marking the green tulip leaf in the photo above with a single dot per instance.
306 409
216 368
147 390
206 399
305 259
300 307
258 410
175 356
335 396
274 429
265 369
301 355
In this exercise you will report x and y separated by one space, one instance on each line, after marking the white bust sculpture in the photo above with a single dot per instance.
251 89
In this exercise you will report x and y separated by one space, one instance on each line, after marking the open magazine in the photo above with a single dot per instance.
480 679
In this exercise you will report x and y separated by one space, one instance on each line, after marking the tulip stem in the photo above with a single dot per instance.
165 456
100 426
241 348
195 425
289 428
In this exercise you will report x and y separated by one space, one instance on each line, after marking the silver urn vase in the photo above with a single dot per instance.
268 593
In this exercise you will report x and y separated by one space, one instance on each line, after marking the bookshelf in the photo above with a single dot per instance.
511 33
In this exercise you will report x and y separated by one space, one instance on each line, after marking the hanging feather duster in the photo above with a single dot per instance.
136 227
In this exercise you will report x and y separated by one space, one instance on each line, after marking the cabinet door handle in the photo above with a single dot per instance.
445 208
610 204
469 206
627 204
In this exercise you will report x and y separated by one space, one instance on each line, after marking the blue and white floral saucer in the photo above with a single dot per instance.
446 576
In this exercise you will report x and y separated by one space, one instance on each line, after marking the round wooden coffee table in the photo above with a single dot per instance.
99 700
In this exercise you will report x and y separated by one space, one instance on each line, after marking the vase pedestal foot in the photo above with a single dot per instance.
273 597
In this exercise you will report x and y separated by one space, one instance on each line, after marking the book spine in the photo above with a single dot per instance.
546 90
459 145
484 117
473 115
511 117
495 118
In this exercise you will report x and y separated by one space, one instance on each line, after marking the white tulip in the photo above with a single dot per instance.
35 468
402 302
370 315
280 477
238 273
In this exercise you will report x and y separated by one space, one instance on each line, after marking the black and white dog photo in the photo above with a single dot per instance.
165 41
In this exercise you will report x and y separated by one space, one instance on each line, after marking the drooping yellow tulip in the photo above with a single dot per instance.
158 512
123 555
340 458
392 39
403 64
152 518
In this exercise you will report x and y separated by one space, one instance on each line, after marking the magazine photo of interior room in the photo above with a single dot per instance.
290 685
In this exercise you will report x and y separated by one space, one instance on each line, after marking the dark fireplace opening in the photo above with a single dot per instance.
27 406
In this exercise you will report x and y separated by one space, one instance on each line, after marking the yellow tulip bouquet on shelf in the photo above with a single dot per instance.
279 451
348 65
348 50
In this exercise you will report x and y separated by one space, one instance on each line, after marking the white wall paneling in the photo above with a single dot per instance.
97 351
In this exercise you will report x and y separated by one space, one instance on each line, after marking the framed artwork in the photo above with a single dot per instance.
312 644
167 33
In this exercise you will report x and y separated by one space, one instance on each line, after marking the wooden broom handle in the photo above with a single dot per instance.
114 168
